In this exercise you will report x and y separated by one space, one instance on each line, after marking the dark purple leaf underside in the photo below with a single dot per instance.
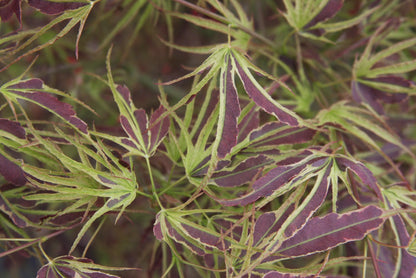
12 172
10 7
331 9
158 127
232 112
257 96
51 7
63 109
362 172
13 128
243 173
323 233
206 238
274 133
312 206
266 185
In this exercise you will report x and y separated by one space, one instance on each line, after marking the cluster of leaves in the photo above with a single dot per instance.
292 154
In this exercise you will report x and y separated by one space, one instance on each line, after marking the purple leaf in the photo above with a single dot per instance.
324 233
13 128
125 93
268 224
261 100
10 7
362 172
158 127
12 172
248 123
232 112
331 9
243 173
50 102
52 7
275 133
142 121
179 238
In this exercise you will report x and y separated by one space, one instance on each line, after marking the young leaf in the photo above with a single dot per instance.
331 9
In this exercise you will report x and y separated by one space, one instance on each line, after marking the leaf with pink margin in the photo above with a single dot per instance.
329 11
12 172
262 99
274 133
52 7
208 239
13 128
8 8
243 173
49 102
362 172
324 233
229 99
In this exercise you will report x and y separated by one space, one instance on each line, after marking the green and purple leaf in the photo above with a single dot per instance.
13 128
228 99
30 91
243 173
324 233
262 98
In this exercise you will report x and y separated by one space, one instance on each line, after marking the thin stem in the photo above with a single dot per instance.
149 167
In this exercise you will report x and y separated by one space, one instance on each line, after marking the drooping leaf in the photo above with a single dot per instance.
53 7
324 233
10 7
